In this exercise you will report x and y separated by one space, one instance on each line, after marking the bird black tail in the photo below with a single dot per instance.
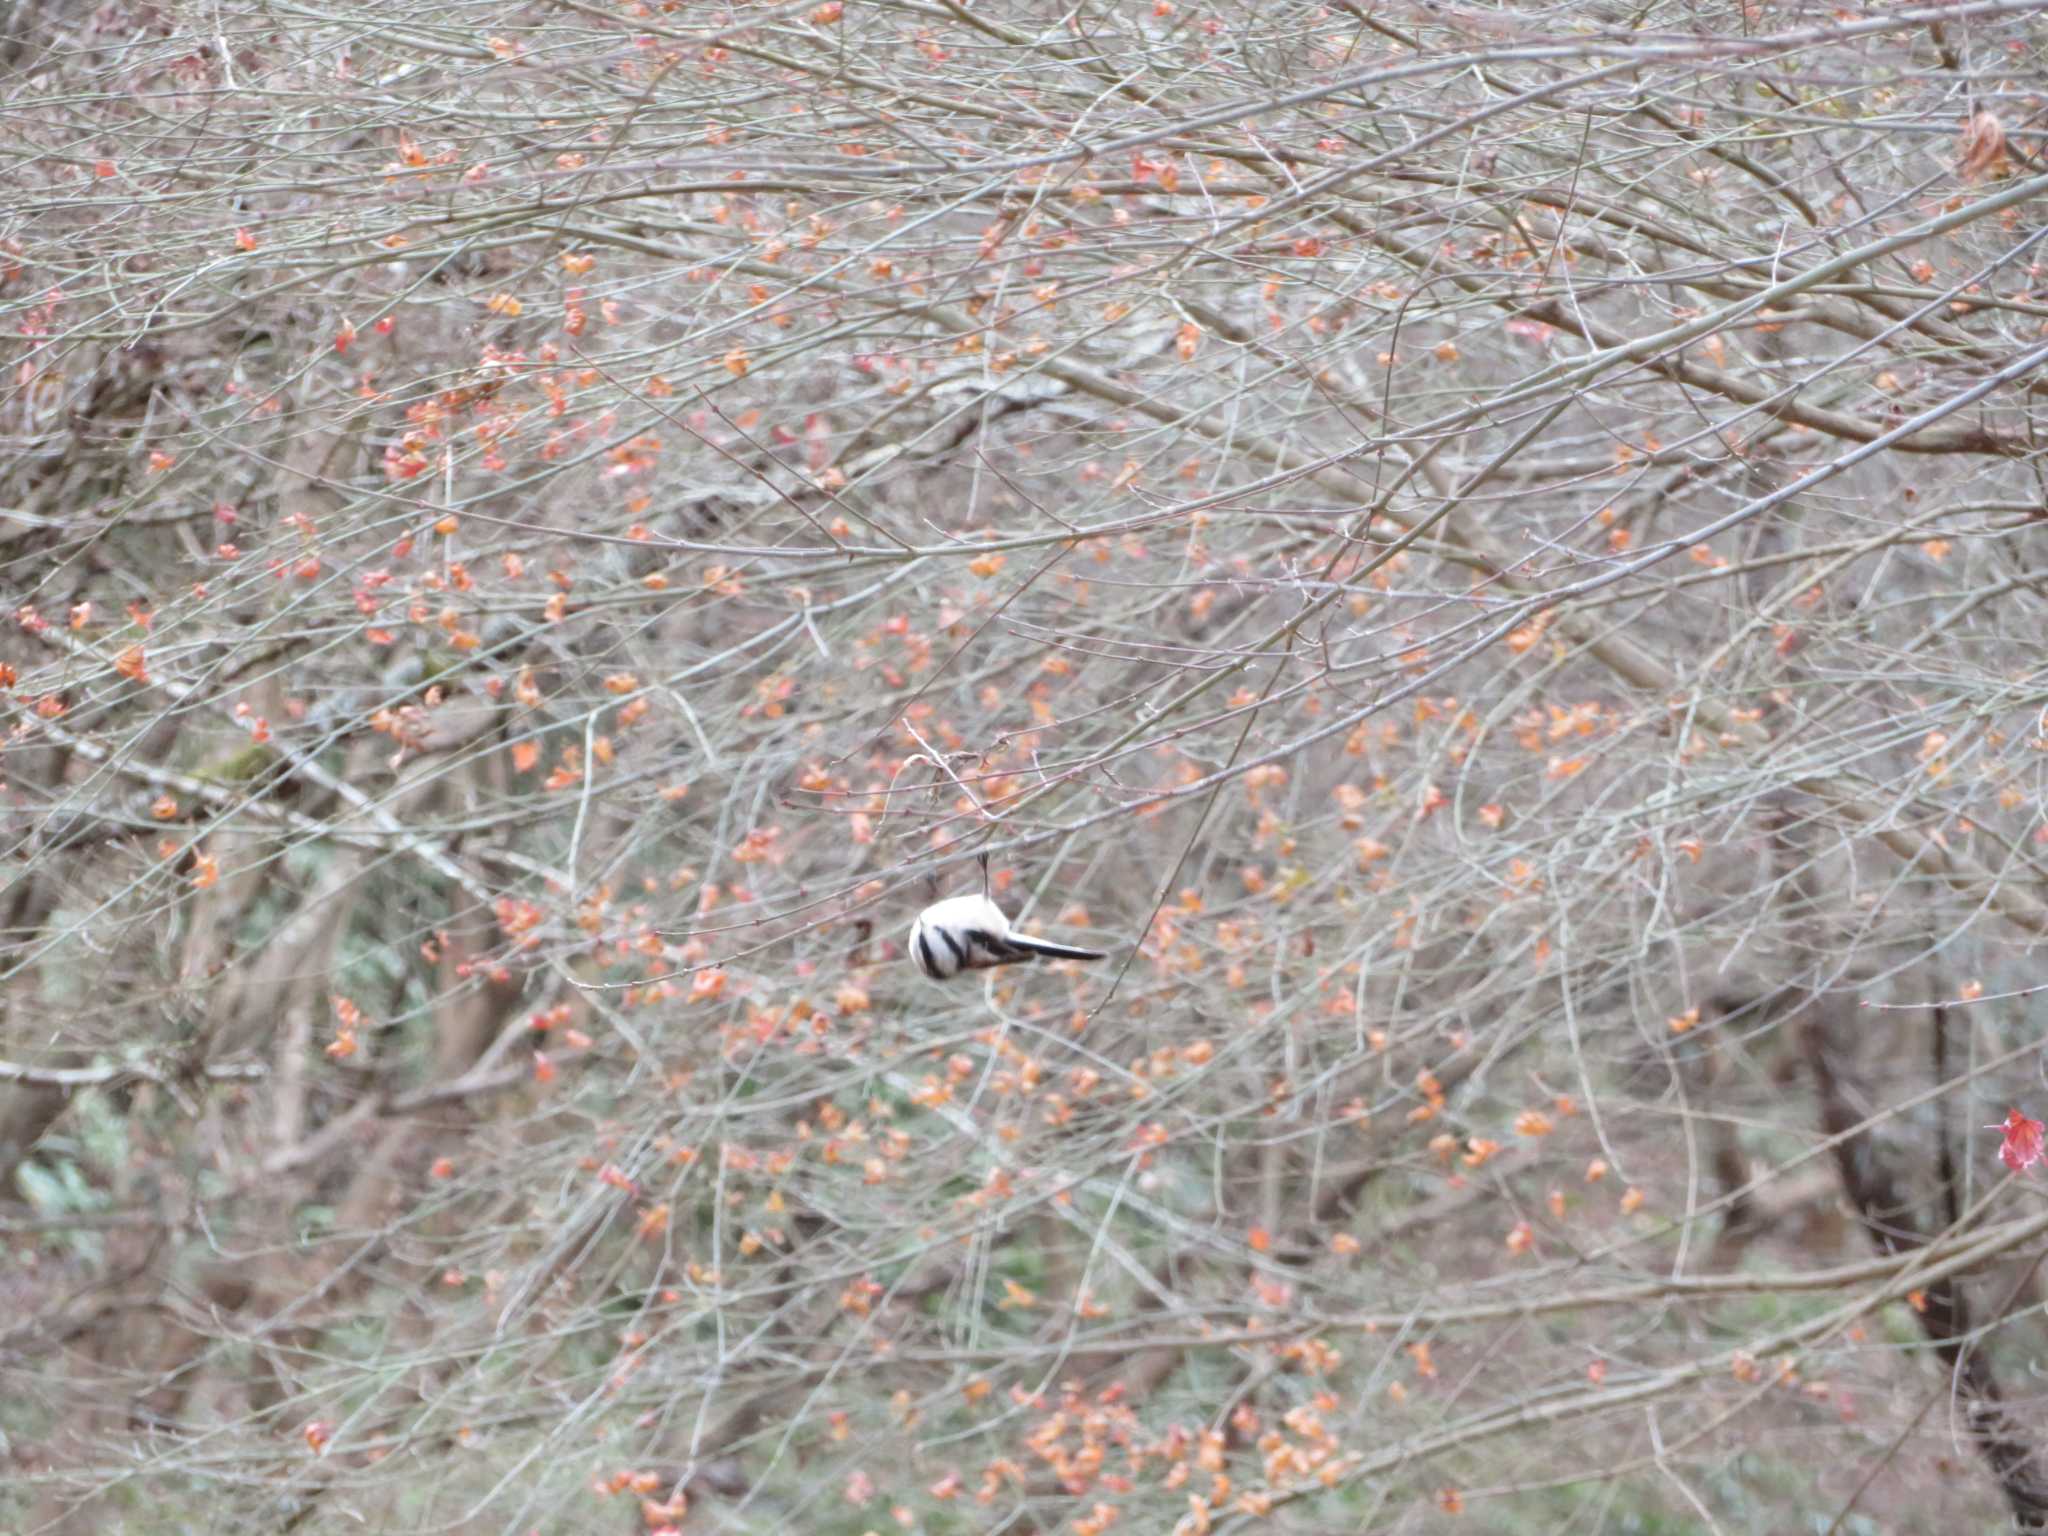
1052 951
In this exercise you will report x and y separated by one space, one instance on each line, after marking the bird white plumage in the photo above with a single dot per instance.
970 933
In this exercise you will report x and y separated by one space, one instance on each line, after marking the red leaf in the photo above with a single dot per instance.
2022 1146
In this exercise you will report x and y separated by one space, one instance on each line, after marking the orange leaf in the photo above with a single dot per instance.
2021 1147
1982 146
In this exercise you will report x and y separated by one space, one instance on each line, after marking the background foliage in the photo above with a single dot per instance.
1491 554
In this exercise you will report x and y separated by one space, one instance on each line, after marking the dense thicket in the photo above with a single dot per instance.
1492 555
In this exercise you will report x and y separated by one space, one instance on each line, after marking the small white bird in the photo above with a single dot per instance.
970 933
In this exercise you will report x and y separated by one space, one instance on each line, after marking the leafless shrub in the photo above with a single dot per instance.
1489 553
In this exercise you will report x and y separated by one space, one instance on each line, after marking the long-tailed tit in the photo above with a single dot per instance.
970 933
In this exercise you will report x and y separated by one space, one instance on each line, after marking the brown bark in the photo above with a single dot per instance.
1886 1208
